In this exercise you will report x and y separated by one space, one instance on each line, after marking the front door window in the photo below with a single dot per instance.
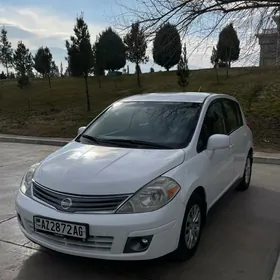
213 124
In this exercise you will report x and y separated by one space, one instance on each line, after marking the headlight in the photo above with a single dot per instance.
152 196
26 182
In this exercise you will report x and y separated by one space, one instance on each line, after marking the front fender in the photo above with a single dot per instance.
189 176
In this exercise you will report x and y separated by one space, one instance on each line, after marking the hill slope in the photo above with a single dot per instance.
60 111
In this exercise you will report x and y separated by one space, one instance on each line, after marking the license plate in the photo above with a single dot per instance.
60 227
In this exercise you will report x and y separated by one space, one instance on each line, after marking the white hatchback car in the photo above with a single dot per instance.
138 181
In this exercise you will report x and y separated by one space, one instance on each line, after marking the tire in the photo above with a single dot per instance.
246 179
186 250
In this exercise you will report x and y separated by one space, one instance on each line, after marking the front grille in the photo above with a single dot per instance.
96 243
78 203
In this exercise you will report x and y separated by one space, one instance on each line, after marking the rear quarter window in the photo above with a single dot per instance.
233 116
239 114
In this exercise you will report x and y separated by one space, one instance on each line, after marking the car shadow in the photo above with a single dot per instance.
240 241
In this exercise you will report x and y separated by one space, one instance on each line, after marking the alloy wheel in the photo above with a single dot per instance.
248 170
193 225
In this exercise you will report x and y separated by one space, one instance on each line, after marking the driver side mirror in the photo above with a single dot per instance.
81 129
218 142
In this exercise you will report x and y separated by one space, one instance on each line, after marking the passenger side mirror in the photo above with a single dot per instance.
81 129
218 142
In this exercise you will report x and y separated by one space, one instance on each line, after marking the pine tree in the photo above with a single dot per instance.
6 51
167 46
183 69
136 46
54 71
111 50
3 76
214 58
61 70
42 62
23 64
99 63
80 55
228 48
215 61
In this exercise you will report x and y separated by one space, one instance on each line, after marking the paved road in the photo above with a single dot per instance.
241 239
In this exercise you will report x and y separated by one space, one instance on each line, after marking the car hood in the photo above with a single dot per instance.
98 170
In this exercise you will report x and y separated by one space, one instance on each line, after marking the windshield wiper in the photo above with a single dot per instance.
125 141
91 138
135 142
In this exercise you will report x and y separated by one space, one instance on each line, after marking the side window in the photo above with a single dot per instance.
233 117
213 124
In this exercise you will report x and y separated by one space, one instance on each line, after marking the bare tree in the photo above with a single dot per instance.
183 13
205 18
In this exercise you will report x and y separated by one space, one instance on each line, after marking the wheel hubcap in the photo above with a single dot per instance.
248 171
193 226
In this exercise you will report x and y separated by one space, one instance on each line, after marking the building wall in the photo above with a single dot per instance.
268 49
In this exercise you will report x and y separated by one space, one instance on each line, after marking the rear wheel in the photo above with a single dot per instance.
191 229
246 179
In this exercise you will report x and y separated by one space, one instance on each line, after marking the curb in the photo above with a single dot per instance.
276 273
61 142
267 160
34 140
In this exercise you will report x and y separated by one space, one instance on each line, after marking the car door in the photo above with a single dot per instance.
237 133
218 167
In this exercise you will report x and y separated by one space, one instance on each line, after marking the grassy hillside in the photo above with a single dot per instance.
58 112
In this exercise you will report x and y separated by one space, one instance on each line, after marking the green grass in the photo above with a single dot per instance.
60 111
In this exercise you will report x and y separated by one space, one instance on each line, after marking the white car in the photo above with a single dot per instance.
138 181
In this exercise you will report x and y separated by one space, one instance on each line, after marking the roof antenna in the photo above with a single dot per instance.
199 88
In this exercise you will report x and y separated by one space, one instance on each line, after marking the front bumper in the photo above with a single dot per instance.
108 232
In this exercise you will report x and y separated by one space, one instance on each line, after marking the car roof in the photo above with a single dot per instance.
195 97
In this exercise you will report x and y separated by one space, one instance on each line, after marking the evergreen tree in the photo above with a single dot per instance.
12 75
6 51
3 76
214 58
215 61
42 62
54 71
111 50
167 46
23 64
98 67
80 55
183 69
61 70
228 48
136 46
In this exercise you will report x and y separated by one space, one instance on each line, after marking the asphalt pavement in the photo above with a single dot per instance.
241 239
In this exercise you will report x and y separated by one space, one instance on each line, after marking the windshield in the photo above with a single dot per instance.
145 125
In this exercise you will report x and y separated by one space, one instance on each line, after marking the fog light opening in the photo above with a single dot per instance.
20 220
144 241
137 244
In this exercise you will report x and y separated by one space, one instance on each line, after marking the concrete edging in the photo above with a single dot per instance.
267 160
61 142
34 140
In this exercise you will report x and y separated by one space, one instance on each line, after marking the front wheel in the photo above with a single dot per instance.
191 229
246 179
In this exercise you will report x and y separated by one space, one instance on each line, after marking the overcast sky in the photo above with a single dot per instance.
49 23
